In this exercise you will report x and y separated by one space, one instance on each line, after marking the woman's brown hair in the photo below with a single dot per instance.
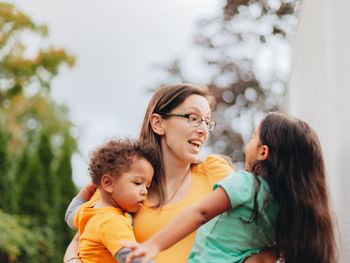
164 100
295 171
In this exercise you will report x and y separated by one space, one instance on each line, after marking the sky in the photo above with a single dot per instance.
117 45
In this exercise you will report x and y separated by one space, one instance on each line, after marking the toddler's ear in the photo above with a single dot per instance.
263 152
107 183
156 122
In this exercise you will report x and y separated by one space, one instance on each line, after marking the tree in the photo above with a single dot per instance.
17 72
231 44
36 142
5 165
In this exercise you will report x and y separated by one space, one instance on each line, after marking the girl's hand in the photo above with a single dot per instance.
87 191
145 250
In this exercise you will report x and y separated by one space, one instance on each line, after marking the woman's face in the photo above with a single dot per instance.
180 139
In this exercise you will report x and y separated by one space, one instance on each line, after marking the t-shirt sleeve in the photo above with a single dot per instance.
72 211
239 187
114 230
217 168
90 203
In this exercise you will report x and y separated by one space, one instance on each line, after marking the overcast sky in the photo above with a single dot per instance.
116 44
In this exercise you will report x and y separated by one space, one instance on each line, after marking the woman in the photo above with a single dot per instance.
177 121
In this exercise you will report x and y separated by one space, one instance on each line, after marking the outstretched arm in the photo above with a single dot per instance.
182 225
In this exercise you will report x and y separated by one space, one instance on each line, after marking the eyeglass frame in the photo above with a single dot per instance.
210 124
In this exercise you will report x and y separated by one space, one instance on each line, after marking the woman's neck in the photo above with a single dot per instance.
177 179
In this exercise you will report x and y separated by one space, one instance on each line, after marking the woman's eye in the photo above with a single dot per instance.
137 183
193 117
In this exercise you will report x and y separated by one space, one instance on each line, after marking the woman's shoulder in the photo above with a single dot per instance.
215 161
215 167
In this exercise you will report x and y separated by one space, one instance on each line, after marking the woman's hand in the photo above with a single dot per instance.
146 250
87 191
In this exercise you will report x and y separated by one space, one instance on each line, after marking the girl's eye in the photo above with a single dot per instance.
137 183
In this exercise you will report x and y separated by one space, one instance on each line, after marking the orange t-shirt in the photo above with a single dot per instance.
149 221
100 230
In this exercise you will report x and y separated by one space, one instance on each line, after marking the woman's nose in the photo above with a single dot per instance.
203 129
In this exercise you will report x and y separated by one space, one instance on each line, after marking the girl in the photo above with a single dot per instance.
282 201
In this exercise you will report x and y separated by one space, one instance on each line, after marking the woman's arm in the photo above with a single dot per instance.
71 254
83 196
190 219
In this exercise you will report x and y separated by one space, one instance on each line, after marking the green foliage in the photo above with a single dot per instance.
23 241
36 147
17 70
5 165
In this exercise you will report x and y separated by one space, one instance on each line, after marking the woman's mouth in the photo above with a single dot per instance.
195 144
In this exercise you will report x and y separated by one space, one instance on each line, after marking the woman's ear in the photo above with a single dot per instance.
107 183
263 152
156 122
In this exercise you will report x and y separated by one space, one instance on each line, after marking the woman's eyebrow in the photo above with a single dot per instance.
197 110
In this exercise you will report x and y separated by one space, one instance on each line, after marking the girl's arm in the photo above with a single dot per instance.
191 218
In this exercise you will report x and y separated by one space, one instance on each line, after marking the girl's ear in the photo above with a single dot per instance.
156 122
263 152
107 183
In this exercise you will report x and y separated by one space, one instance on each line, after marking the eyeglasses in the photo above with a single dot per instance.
193 119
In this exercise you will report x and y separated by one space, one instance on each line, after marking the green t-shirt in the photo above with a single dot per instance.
227 238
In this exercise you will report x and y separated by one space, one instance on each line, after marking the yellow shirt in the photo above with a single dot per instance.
100 230
148 221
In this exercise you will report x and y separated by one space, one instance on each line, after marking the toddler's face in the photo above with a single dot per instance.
131 188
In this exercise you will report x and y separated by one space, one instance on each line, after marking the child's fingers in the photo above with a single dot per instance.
129 244
136 254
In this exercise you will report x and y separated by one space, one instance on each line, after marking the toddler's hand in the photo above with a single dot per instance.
87 191
145 250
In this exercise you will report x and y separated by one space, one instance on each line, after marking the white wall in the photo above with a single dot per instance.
319 92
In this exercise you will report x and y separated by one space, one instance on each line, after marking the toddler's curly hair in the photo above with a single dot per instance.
116 156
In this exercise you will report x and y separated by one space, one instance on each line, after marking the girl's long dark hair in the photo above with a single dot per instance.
295 172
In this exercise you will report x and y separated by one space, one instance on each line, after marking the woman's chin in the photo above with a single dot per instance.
192 158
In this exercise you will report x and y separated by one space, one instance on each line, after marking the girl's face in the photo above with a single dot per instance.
181 140
253 150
